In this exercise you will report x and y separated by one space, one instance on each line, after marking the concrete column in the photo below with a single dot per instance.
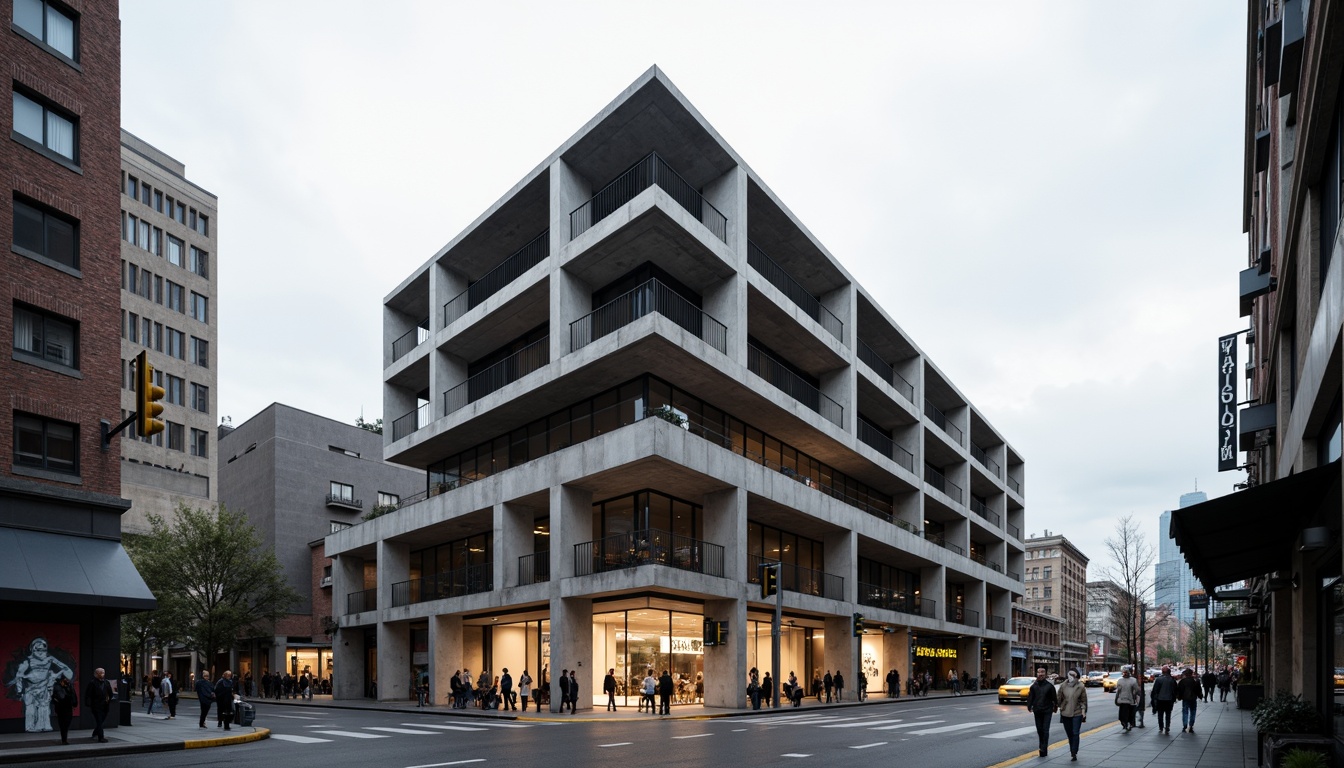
568 191
571 524
727 302
896 647
445 654
841 385
513 539
347 577
968 655
1306 669
572 646
728 193
348 662
726 666
933 586
975 601
394 566
1279 674
1000 662
725 514
840 651
394 661
841 549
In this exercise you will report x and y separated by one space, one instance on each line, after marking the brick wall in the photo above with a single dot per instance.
311 625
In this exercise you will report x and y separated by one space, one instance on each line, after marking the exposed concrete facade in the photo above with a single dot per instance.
169 306
668 382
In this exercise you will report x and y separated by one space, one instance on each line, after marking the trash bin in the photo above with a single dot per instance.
245 713
123 713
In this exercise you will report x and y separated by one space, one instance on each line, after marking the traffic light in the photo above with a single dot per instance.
147 395
769 580
720 633
858 625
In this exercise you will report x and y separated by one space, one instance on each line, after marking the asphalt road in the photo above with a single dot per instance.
957 733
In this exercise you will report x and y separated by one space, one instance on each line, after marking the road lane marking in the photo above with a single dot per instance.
738 730
693 736
949 728
905 725
925 717
390 729
455 762
863 724
505 725
355 734
617 744
446 727
865 746
299 717
298 739
1010 734
793 754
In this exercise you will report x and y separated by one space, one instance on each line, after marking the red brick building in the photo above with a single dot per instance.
60 503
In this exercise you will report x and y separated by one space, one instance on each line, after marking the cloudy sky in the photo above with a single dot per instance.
1046 196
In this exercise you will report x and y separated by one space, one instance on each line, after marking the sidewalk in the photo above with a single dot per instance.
1224 737
146 734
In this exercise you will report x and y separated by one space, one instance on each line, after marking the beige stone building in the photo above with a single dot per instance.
1056 584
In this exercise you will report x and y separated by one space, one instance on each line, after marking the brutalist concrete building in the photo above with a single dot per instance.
629 383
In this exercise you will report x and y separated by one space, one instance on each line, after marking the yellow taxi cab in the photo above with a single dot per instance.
1109 682
1015 690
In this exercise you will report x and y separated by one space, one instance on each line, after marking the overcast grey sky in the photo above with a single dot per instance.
1046 196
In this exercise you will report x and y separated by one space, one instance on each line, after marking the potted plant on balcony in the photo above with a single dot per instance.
1286 722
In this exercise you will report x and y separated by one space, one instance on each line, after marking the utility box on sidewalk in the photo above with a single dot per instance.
124 713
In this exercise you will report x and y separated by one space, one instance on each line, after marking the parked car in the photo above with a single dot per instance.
1093 679
1015 690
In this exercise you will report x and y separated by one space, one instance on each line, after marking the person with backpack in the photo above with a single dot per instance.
1042 703
1164 699
1224 681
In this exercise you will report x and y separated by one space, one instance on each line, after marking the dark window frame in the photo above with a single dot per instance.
48 216
41 41
43 147
45 463
46 317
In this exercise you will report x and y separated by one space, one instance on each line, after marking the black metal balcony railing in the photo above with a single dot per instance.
939 418
417 419
651 171
343 501
793 290
762 364
886 372
978 557
936 479
498 376
959 615
1014 575
534 568
647 298
892 600
1016 486
989 464
468 580
911 527
795 578
885 445
993 566
979 508
497 279
1014 531
359 602
410 340
648 547
995 623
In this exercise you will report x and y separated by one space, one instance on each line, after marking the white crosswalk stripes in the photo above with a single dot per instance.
1010 734
948 728
925 725
355 734
298 739
330 732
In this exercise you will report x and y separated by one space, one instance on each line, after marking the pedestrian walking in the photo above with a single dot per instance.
168 691
573 691
205 694
839 680
665 693
1224 681
1042 703
650 687
952 681
1189 691
224 690
98 698
64 699
863 687
152 694
768 690
1126 698
1164 699
564 688
1072 710
754 688
1210 680
816 684
609 688
828 683
506 691
795 691
525 688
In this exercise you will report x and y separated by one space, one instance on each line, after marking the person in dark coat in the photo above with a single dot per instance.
205 694
1042 702
839 682
564 688
665 693
1189 691
64 700
1164 699
573 691
609 688
828 683
224 691
98 698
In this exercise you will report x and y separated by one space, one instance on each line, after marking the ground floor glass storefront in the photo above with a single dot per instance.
635 642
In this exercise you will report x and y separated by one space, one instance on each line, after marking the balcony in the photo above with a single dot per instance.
810 304
534 568
762 364
979 508
937 417
965 616
410 340
1014 575
651 171
647 547
983 459
359 602
326 582
795 578
468 580
980 558
1015 485
935 478
344 502
650 297
995 623
417 419
498 278
885 372
496 377
886 446
891 600
1014 531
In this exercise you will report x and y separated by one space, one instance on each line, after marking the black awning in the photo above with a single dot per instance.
1253 532
1239 621
39 566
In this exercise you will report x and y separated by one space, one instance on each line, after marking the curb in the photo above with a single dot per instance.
257 735
47 754
1034 754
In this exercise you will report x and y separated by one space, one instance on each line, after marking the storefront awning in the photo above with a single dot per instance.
1239 621
54 568
1253 532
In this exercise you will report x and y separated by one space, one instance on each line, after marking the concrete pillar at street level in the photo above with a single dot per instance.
726 665
445 655
394 661
572 647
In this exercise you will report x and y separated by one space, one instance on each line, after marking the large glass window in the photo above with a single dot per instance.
39 231
647 641
46 337
48 23
45 126
44 443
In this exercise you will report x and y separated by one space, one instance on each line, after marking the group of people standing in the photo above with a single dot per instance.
159 689
487 692
287 686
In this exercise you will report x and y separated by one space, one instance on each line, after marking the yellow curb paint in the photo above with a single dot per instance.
243 738
1036 752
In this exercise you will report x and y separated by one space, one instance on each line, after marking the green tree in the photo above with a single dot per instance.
214 581
372 426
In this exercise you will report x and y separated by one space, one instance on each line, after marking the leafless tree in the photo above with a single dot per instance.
1133 559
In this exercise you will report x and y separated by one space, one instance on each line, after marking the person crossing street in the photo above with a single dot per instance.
1042 703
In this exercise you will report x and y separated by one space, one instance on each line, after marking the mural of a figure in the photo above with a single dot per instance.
33 681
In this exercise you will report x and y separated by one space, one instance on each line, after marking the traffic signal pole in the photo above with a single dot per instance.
775 686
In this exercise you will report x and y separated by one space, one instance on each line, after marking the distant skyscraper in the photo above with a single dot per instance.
1173 578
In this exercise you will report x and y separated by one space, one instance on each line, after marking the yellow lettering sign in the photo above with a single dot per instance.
936 653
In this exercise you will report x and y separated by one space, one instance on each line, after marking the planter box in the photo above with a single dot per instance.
1249 695
1275 746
